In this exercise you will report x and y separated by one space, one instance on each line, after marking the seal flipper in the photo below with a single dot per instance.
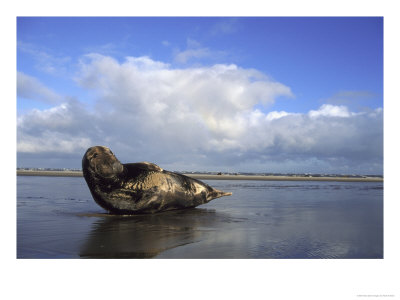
214 193
145 166
135 169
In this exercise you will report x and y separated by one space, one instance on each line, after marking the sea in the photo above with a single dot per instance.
57 218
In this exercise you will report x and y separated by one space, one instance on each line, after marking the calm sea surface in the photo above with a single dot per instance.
58 218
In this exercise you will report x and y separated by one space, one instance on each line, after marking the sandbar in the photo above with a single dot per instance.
220 177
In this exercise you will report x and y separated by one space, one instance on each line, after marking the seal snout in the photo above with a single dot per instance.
117 167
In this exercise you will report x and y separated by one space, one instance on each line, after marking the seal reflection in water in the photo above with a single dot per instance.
140 187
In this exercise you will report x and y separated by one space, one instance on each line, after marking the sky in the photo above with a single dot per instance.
255 94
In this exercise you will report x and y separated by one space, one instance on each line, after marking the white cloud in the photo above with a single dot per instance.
201 118
62 129
356 98
194 51
184 56
328 110
53 142
45 61
30 88
213 99
225 26
276 115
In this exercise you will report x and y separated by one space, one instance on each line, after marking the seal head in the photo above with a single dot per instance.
101 162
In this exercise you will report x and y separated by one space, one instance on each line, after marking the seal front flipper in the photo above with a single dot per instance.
145 166
134 169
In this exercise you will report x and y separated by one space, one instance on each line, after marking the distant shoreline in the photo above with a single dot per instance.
218 177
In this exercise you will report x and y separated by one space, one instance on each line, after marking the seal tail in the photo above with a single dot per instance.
216 194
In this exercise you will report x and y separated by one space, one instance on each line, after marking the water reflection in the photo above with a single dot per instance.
57 218
146 236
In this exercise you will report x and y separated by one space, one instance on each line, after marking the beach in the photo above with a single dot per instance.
221 177
58 218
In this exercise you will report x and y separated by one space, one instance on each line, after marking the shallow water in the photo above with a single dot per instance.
57 218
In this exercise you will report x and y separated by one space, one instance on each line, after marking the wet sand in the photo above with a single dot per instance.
50 173
57 218
218 177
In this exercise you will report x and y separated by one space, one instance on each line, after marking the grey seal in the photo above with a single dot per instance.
143 187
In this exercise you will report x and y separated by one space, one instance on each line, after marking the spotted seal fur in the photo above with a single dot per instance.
142 187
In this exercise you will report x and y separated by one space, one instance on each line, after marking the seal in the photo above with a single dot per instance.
143 187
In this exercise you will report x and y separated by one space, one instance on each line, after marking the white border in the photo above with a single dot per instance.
199 279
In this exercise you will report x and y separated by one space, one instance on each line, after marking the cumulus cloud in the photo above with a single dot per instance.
62 129
207 105
328 110
202 118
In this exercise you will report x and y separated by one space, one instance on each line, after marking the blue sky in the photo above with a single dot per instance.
233 94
